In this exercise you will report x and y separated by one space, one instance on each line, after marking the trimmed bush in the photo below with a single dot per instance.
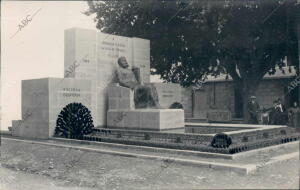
283 132
74 120
266 135
245 139
176 105
221 140
178 140
147 136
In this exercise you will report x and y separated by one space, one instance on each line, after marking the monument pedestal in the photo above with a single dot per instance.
120 97
146 119
122 113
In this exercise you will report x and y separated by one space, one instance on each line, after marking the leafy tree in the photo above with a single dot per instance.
192 39
74 120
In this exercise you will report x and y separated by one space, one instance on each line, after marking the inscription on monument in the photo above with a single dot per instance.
113 48
168 93
71 92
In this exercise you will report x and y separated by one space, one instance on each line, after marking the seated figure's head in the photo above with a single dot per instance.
123 62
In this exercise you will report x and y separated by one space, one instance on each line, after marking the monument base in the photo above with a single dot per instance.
36 130
43 100
150 119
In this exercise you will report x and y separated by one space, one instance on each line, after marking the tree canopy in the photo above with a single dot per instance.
192 39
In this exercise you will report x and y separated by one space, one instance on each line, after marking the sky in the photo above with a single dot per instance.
37 50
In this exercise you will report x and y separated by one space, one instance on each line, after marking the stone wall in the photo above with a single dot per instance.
270 90
220 95
186 100
224 96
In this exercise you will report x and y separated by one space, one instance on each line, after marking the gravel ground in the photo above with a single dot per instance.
32 166
17 180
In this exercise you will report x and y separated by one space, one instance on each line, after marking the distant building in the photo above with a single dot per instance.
219 94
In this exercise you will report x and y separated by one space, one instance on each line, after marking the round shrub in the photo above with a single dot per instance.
245 139
176 105
74 120
221 140
147 136
178 140
266 135
283 132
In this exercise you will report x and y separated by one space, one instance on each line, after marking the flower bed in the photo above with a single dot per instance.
189 142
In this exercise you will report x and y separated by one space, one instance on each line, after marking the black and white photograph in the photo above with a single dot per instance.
149 94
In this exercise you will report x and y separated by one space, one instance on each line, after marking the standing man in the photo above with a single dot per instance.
273 115
294 116
283 116
253 109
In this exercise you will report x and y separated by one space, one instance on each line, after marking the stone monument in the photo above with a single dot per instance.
102 51
90 78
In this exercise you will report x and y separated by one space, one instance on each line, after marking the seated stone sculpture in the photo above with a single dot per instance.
145 95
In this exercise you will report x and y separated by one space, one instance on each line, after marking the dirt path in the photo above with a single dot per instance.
33 166
19 180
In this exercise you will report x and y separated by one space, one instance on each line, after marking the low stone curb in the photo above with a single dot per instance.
241 155
283 158
294 144
150 149
242 169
